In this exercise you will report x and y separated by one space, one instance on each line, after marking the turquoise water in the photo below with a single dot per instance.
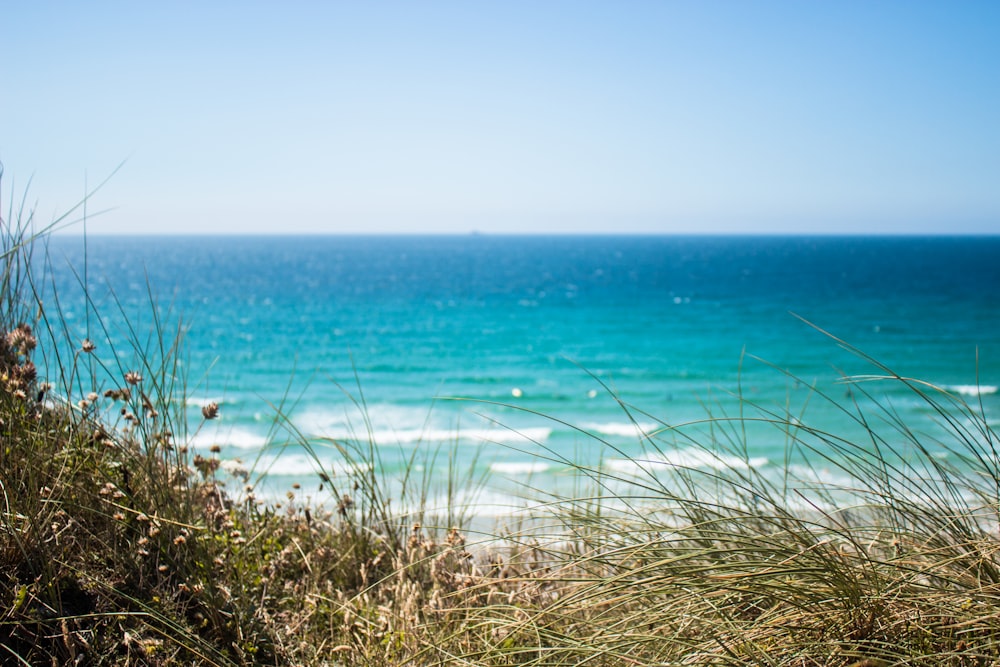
520 327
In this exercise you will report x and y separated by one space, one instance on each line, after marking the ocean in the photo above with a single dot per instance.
513 359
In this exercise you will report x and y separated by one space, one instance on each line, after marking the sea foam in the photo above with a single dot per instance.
518 467
289 464
972 389
241 438
405 426
622 428
690 458
202 401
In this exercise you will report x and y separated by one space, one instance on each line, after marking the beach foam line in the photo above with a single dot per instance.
622 428
480 503
202 401
416 435
691 457
288 464
239 438
972 389
400 424
519 467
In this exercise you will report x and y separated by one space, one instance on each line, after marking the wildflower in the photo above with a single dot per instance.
118 394
215 449
132 377
210 411
88 346
455 538
180 539
163 569
22 340
22 376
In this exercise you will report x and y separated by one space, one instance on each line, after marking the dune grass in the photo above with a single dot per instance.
119 546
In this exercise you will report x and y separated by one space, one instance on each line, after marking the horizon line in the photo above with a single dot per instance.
522 234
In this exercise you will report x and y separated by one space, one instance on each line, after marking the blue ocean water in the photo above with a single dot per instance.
510 356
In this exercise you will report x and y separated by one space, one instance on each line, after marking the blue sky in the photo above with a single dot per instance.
507 117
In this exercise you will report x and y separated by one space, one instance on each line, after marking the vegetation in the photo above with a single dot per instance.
118 546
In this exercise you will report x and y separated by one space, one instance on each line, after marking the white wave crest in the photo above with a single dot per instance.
692 457
421 435
202 401
288 464
622 428
240 438
395 424
519 467
972 389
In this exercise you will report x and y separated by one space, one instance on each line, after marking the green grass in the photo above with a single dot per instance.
120 547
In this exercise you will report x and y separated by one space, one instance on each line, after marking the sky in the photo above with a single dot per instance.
506 117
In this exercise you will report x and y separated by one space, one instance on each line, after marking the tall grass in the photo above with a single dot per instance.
884 551
875 544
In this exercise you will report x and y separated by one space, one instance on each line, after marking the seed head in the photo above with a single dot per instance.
210 411
88 346
21 339
148 406
118 394
133 377
23 375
